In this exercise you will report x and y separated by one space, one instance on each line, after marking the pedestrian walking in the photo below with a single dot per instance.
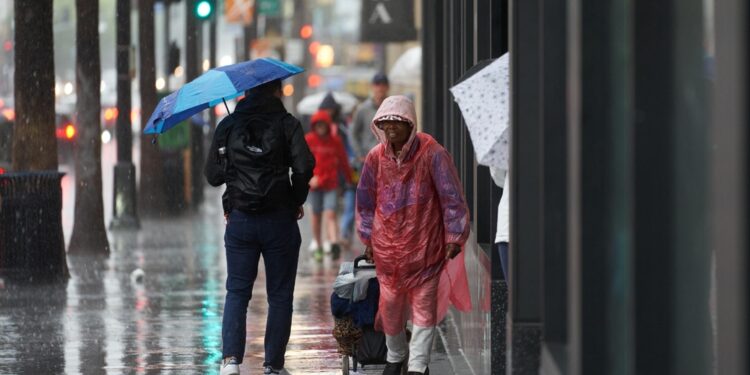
482 95
333 108
331 161
252 152
362 138
502 235
413 219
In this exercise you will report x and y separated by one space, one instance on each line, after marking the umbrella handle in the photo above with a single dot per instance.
226 106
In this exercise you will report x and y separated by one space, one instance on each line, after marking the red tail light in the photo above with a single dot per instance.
70 131
66 132
2 170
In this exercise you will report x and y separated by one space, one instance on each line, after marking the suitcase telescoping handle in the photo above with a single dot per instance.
362 258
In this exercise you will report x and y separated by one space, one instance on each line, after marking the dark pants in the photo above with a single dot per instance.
276 237
502 250
347 217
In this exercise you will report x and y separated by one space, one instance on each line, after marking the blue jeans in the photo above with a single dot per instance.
347 217
276 237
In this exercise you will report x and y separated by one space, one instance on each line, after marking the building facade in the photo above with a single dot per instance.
628 228
457 34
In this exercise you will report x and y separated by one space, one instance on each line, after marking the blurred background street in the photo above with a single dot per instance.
601 147
140 288
111 319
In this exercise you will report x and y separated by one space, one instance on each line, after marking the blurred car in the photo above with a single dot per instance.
66 132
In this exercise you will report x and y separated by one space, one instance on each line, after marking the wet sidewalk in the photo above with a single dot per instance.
106 322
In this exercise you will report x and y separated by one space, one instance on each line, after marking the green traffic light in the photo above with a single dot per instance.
203 9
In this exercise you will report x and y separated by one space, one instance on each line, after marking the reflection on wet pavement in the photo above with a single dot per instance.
105 322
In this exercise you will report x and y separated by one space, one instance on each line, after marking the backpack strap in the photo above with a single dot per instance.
221 136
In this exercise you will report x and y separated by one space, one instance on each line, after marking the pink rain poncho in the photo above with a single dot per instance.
408 209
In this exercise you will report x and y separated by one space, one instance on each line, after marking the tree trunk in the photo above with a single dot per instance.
89 233
34 142
152 190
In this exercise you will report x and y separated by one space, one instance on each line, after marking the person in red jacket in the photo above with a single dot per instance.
330 160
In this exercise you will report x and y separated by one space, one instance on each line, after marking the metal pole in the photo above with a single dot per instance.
125 214
191 42
193 32
212 59
167 50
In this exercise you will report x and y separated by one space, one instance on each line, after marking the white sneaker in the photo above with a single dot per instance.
270 371
313 246
230 366
327 247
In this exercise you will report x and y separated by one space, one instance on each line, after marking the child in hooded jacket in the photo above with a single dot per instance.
331 161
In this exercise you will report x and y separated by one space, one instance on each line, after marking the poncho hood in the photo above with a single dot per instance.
400 108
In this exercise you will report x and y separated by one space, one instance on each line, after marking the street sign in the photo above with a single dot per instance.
239 11
269 8
387 21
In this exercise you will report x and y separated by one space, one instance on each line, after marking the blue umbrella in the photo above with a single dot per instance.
214 87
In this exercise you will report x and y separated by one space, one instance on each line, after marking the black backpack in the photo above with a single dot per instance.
257 162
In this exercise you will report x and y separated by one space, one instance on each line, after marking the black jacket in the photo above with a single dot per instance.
262 142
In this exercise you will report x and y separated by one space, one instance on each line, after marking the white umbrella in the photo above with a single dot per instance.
309 104
483 95
407 69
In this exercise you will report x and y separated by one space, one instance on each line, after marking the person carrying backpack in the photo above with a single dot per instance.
252 152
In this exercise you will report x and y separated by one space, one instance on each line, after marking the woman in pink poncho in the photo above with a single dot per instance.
413 218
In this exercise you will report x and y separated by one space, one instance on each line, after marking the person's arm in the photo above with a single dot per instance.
452 202
302 161
216 167
367 199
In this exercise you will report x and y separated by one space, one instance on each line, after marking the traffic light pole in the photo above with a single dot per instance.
193 30
125 214
212 59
